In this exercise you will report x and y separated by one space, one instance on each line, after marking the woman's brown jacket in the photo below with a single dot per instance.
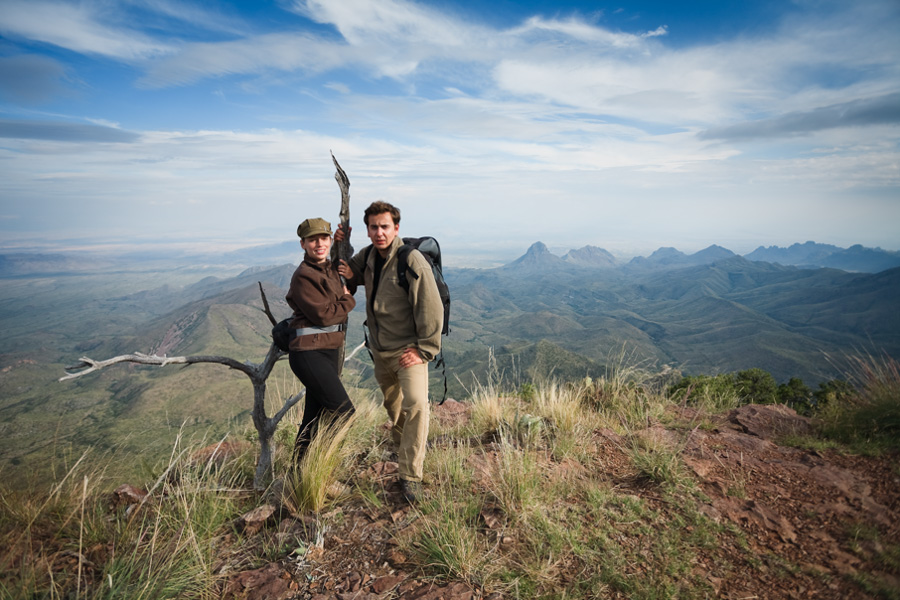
317 298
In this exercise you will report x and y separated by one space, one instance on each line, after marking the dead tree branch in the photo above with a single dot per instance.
88 365
342 250
265 302
258 374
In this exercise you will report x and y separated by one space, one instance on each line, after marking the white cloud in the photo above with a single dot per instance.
250 56
583 31
208 17
338 86
77 28
587 191
388 23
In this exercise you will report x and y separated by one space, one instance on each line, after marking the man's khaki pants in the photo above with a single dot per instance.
406 401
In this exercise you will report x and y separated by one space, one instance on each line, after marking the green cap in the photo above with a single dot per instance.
311 227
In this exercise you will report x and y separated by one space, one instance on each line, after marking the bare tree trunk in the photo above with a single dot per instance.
265 427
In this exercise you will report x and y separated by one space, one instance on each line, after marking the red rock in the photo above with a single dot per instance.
256 519
270 582
126 494
387 583
769 421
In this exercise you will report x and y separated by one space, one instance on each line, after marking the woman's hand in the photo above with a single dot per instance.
339 233
345 271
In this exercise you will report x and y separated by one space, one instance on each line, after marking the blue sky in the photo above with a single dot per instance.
625 125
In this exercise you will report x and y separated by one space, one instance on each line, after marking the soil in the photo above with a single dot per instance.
805 521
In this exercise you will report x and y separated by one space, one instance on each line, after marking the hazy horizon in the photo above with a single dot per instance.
480 255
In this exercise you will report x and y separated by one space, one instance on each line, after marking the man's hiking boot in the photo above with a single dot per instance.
411 490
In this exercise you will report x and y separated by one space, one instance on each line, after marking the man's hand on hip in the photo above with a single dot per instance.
410 357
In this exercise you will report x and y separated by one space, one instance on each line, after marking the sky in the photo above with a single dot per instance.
491 125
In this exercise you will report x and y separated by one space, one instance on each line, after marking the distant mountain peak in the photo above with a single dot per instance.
537 256
811 254
537 248
714 252
667 257
590 256
666 252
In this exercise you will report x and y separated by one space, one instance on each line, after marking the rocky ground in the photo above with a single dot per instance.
807 519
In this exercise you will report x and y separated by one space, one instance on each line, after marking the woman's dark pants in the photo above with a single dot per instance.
318 370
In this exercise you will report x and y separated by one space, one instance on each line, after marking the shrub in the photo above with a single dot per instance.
871 413
707 392
831 392
756 386
728 390
796 394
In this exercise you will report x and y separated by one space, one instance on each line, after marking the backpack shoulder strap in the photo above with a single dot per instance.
403 266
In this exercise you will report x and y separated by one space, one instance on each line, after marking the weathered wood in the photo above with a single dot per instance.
342 250
266 308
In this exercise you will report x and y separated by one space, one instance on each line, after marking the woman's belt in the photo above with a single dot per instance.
315 330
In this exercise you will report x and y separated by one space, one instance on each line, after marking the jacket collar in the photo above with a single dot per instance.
395 245
321 267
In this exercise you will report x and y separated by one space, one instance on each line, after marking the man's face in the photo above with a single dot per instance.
317 246
382 230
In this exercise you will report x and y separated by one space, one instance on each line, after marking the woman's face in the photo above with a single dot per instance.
317 247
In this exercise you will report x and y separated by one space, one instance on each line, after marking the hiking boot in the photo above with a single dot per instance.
411 490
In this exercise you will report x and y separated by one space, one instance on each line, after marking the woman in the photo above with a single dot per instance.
321 304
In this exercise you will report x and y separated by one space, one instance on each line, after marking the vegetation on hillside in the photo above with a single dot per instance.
518 500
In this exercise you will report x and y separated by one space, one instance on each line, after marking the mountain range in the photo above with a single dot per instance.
807 255
709 312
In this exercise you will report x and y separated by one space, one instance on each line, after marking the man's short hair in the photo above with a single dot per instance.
378 207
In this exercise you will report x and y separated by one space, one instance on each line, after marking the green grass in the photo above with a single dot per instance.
317 482
446 542
869 421
547 525
162 548
659 463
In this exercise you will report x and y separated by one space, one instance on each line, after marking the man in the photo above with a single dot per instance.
404 335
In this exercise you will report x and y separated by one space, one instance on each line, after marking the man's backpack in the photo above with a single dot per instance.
431 250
